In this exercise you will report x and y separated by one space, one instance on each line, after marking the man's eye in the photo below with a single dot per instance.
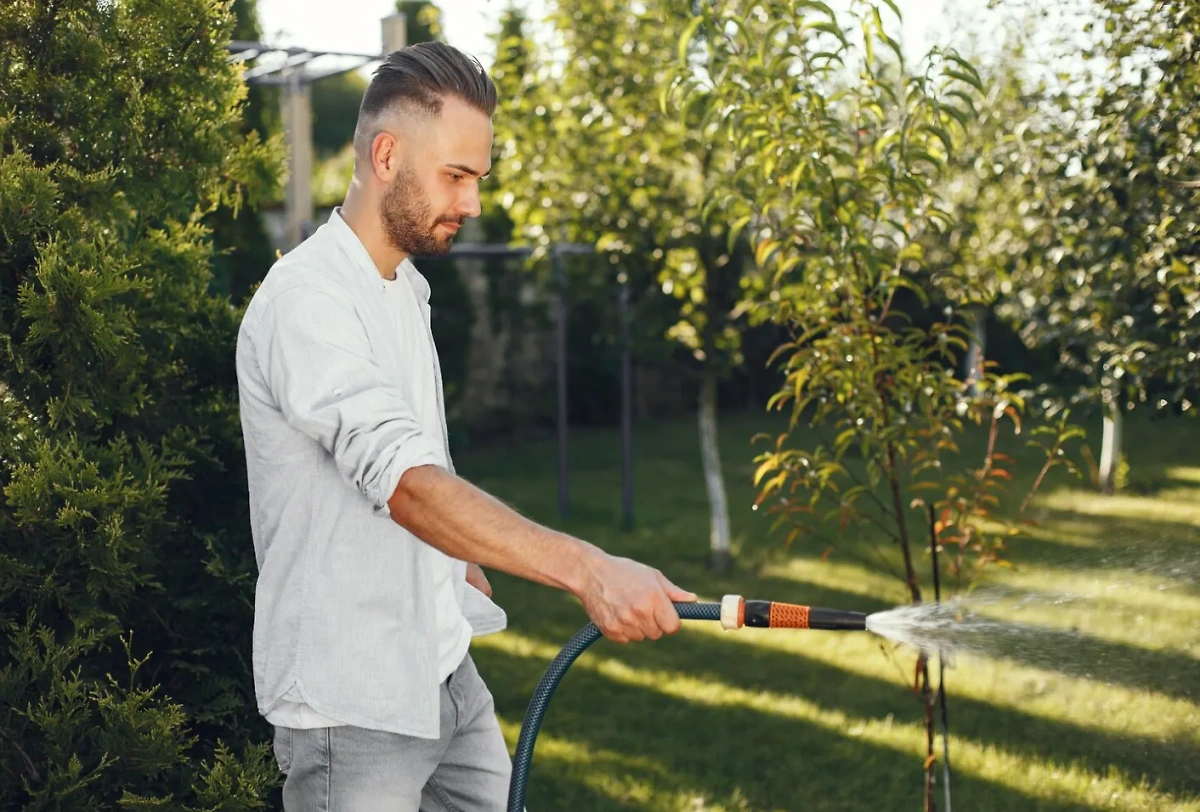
455 177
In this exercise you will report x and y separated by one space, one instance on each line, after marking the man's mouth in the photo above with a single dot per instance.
451 226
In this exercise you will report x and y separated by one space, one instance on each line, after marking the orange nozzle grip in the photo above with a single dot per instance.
788 616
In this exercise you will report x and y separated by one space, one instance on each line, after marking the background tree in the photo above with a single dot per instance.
423 21
1100 218
585 155
126 570
335 103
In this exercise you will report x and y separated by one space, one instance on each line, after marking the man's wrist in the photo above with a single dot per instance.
580 566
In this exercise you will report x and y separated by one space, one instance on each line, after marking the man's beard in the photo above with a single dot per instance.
408 220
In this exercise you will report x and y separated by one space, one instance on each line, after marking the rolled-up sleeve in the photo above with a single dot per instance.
317 362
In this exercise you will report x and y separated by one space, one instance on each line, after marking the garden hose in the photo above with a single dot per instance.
733 612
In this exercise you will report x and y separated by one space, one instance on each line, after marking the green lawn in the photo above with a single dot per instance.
771 720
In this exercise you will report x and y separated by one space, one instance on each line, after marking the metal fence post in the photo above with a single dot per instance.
626 404
560 280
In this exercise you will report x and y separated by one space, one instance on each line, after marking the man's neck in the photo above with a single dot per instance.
362 216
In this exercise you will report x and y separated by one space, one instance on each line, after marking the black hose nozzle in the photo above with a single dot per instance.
737 612
836 619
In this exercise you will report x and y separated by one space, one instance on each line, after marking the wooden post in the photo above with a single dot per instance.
295 101
395 32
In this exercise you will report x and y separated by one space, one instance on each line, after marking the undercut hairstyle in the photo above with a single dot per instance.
413 83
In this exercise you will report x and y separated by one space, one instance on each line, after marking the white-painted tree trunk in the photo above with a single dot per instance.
976 347
1110 449
714 480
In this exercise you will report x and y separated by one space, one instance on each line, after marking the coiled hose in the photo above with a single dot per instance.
733 612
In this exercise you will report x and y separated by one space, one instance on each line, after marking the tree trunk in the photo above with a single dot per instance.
976 347
928 700
1110 450
714 480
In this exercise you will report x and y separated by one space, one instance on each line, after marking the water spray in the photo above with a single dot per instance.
733 612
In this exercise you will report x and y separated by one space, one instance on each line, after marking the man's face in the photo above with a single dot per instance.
436 187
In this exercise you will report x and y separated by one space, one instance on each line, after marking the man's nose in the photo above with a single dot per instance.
469 205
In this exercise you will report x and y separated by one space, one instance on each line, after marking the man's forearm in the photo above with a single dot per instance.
461 520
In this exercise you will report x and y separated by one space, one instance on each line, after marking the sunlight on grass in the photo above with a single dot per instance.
602 770
1081 533
841 575
1103 713
1124 506
1039 779
1139 610
623 778
1184 473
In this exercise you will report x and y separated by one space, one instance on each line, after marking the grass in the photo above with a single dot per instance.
1102 713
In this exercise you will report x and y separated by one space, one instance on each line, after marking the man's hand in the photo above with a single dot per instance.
629 601
477 579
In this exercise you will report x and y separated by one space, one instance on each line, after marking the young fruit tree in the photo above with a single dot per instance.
841 145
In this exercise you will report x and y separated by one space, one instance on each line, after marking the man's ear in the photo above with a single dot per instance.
385 155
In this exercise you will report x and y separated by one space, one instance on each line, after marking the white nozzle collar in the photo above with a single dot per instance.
731 612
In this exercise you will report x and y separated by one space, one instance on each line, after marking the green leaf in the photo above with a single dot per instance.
769 465
915 155
735 231
844 439
942 135
819 6
970 79
833 29
958 115
895 9
768 40
685 39
763 252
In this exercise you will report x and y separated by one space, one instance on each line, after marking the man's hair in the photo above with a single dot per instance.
415 81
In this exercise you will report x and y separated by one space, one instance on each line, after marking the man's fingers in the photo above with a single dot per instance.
667 618
676 593
477 579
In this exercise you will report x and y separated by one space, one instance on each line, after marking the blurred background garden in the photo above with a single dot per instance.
856 305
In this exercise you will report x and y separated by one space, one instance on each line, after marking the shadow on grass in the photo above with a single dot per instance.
720 753
1172 765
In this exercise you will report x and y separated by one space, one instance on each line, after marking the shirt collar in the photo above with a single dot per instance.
352 245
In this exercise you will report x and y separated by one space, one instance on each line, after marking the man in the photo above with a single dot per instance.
365 606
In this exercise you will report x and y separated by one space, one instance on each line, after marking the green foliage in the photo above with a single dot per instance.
335 103
1148 103
123 528
845 158
585 155
423 21
839 150
1088 205
243 249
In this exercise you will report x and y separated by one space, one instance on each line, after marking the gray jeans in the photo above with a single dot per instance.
349 769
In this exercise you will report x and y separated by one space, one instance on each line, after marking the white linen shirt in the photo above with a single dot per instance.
339 398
